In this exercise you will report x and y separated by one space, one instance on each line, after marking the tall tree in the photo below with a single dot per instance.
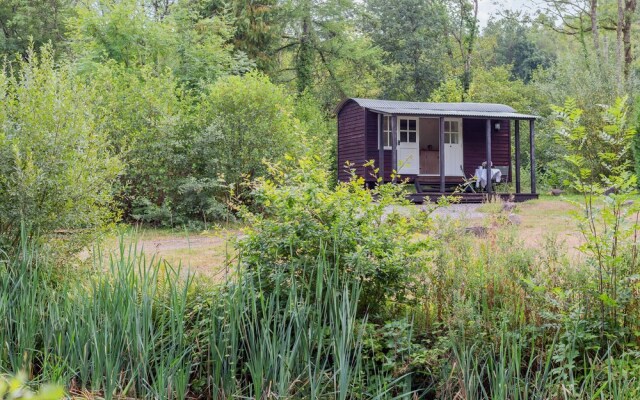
463 28
512 45
40 21
627 25
257 29
576 18
411 34
324 51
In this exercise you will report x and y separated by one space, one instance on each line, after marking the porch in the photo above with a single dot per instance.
466 198
459 147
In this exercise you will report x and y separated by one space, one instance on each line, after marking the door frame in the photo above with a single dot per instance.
409 118
437 134
461 124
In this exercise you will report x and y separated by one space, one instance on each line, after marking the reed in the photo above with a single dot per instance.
141 328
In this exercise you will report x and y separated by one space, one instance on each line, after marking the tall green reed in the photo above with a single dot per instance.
137 327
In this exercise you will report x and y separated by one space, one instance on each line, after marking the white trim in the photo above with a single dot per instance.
413 166
460 142
378 130
417 119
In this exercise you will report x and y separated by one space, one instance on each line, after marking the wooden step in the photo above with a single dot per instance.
466 198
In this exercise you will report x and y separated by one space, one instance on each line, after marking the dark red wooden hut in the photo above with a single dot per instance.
440 147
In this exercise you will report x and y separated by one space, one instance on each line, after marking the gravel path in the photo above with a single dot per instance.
466 211
463 211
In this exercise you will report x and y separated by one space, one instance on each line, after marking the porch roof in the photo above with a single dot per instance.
469 110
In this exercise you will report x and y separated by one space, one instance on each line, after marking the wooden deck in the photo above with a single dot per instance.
419 198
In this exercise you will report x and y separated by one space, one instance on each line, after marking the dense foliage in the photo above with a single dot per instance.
186 113
479 319
299 209
56 168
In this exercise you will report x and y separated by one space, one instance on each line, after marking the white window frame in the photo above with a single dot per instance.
387 131
449 131
416 130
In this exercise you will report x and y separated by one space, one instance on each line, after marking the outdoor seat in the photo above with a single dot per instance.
469 183
504 172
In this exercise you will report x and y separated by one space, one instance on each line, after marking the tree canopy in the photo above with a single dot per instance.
192 97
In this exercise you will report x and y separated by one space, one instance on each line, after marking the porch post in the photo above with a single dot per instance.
381 149
394 144
488 170
517 139
532 150
441 153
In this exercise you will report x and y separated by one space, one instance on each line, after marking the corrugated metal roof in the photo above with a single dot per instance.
478 110
439 113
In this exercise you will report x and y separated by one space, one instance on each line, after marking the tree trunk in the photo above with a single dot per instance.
594 26
471 23
304 61
619 57
629 11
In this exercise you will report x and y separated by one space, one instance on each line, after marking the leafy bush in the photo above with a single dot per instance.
244 121
188 156
303 218
56 170
149 132
603 148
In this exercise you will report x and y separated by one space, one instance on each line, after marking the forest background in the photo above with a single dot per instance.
202 115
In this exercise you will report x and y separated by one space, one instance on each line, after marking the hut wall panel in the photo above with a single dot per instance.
475 149
358 143
373 151
351 139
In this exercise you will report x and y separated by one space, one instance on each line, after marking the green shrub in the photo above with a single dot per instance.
362 234
189 155
243 121
56 170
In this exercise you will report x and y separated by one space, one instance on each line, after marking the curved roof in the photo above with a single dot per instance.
479 110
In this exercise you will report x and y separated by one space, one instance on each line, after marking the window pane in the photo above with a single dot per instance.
447 126
454 138
403 136
446 138
412 137
403 124
387 123
454 126
412 124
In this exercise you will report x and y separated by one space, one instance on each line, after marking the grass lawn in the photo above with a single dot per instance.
549 218
207 253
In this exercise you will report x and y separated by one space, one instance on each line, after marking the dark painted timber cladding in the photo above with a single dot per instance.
474 149
351 139
474 144
372 148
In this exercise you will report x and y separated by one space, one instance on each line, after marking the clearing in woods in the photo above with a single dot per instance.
210 253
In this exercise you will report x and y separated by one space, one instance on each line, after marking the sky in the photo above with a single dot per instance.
486 8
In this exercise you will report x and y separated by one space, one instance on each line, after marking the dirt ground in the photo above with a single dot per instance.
547 219
210 253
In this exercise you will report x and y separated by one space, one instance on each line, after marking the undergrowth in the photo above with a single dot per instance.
338 294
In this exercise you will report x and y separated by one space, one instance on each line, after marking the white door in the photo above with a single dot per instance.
408 146
453 156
